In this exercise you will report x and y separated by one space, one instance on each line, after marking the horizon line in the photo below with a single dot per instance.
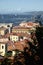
19 12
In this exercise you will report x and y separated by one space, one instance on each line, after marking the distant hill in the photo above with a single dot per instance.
34 13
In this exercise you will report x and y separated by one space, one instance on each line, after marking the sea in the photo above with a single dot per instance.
15 19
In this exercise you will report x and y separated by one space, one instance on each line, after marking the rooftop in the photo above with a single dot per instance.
2 28
20 45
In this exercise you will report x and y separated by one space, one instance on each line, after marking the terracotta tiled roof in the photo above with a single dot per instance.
18 45
28 24
17 34
19 27
8 34
3 42
2 28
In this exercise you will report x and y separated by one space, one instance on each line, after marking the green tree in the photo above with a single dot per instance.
39 35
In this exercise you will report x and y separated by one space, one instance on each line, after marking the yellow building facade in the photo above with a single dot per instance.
20 30
2 49
3 31
14 38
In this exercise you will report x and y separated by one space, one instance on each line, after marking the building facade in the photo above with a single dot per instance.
14 38
20 29
3 31
3 49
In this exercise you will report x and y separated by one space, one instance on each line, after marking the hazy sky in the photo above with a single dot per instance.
8 6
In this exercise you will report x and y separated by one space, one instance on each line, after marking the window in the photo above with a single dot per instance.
8 25
2 47
16 37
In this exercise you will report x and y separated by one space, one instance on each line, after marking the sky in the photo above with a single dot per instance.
11 6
